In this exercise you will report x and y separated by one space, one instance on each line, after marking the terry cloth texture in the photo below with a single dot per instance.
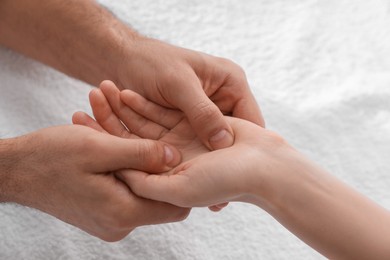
320 71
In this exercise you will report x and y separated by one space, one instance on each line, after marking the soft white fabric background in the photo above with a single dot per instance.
319 69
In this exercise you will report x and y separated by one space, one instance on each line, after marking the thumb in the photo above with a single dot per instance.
165 188
205 118
141 154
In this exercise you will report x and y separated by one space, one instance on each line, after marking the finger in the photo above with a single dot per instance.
149 212
136 123
81 118
116 153
214 208
244 106
105 116
248 109
218 207
165 117
164 188
142 211
203 115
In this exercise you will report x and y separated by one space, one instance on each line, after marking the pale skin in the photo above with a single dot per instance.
259 168
83 40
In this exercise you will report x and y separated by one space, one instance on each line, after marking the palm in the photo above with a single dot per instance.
131 116
139 118
172 127
184 138
207 176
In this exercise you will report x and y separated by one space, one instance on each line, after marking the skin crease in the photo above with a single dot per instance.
322 211
223 81
83 40
91 197
172 127
196 83
260 168
189 145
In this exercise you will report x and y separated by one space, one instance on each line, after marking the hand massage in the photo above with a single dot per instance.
172 130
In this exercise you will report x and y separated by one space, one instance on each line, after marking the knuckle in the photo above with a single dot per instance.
240 70
231 65
276 139
91 142
150 155
205 112
234 71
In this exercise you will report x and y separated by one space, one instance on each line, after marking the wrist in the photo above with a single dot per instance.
136 58
290 177
127 48
10 158
273 175
101 54
82 39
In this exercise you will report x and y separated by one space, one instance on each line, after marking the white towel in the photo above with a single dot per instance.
319 69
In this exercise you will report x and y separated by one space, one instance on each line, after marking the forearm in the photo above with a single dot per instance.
327 214
77 37
9 159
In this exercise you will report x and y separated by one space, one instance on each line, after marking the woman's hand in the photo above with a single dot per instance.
259 168
204 178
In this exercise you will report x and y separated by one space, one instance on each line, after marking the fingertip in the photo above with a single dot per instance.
172 155
218 207
214 208
151 156
107 86
222 205
77 117
106 83
209 124
221 139
99 103
81 118
95 95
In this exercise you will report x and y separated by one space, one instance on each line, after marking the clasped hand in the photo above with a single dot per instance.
204 177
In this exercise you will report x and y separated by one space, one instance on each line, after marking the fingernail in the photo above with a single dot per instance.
222 139
223 205
168 154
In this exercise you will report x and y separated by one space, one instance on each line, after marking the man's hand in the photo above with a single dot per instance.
70 172
204 87
82 39
260 168
137 116
204 178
